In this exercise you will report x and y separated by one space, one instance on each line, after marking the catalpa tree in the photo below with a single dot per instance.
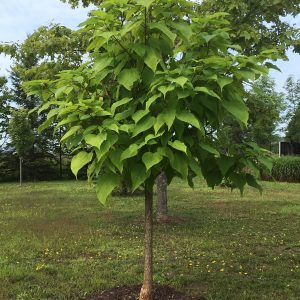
158 83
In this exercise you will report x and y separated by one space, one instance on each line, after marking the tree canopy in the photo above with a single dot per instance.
260 25
159 81
156 90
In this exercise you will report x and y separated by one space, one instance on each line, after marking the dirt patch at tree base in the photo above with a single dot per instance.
161 292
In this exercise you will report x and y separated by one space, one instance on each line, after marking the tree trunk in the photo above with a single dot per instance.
162 198
20 171
60 155
147 289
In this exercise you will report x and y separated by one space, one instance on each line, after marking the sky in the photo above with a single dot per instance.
18 18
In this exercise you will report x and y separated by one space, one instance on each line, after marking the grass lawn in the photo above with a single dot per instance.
58 242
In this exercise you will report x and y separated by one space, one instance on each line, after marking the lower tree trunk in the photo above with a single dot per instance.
20 170
162 198
60 155
147 289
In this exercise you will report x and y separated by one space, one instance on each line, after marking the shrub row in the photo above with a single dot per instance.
37 167
286 168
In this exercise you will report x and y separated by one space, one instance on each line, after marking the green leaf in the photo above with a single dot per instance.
45 125
106 183
251 181
115 105
80 160
115 157
246 74
209 37
152 59
70 132
164 29
95 140
145 3
128 77
237 108
143 125
102 63
168 116
179 80
272 66
223 81
159 123
139 115
188 117
184 29
225 163
179 164
209 149
239 180
207 91
266 162
178 145
138 175
195 167
151 159
139 49
131 151
151 100
165 89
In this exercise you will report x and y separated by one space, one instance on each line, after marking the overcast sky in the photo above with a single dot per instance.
18 18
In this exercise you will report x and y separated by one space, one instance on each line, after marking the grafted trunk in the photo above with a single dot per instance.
162 197
147 289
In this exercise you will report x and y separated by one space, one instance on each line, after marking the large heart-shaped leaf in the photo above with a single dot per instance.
106 183
80 160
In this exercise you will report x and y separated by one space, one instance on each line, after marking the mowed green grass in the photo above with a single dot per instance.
58 242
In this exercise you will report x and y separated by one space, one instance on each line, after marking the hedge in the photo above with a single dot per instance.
286 168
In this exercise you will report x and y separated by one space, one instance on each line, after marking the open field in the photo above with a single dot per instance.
58 242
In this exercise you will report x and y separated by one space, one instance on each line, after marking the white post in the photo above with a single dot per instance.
279 151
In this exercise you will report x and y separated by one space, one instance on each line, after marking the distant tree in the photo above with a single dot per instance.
84 3
292 97
293 128
43 54
265 107
21 134
5 99
259 25
155 90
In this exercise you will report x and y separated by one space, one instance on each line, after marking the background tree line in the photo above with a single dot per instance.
50 49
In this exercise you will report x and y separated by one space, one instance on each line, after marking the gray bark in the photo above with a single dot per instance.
147 288
162 197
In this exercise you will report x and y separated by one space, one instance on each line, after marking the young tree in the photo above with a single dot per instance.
159 82
256 26
21 134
